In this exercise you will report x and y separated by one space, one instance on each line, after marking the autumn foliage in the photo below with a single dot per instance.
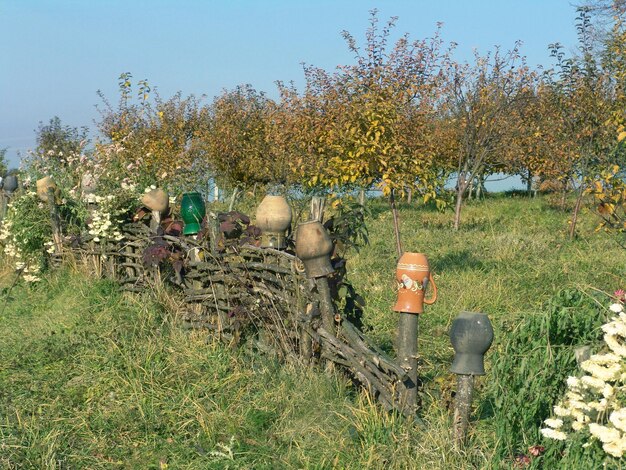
405 117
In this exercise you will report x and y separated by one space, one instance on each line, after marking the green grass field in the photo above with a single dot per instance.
93 378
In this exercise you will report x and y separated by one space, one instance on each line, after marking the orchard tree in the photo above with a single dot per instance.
477 110
154 137
584 103
378 115
60 139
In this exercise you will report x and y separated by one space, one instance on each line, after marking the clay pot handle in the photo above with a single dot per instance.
434 297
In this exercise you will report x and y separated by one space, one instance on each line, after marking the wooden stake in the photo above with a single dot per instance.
327 308
408 326
462 407
55 221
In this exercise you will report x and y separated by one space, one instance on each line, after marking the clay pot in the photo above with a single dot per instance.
10 183
471 336
273 217
43 185
192 210
313 247
413 275
88 184
156 200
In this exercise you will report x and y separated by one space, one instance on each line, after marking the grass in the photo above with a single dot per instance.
93 378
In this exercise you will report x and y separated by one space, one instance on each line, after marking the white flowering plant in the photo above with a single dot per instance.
594 405
109 213
25 234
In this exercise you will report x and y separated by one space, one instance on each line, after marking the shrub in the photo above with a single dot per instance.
531 366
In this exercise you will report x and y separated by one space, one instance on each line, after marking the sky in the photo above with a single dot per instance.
56 54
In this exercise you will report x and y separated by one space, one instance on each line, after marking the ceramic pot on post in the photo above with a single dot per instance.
43 185
192 210
156 200
10 183
88 184
413 276
273 217
471 336
314 247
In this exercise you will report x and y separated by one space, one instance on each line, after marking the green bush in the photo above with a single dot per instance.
530 369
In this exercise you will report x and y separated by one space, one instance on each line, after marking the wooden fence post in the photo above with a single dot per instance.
408 329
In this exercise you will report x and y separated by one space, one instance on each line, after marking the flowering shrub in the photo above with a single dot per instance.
595 403
24 234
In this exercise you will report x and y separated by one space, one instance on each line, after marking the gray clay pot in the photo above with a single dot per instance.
471 336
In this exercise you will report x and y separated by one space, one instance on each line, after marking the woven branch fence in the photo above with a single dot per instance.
245 293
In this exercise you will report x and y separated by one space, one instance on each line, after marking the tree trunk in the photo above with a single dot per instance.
409 195
232 199
396 223
529 184
461 186
362 197
579 199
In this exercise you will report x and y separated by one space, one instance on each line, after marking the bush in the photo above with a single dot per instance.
531 367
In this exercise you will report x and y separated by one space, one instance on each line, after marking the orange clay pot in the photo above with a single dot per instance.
413 275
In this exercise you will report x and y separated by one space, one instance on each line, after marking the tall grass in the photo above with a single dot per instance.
93 378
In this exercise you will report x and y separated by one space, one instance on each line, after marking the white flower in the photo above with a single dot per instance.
616 308
592 382
554 423
561 411
603 433
615 346
573 382
615 448
618 419
553 434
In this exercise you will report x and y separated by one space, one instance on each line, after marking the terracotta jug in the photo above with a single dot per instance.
156 200
273 217
313 247
413 275
43 185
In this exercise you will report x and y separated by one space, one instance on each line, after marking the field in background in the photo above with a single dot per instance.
92 378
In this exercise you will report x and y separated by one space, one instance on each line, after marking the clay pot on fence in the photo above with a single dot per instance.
43 185
413 276
273 217
10 183
192 210
156 200
314 247
471 336
88 184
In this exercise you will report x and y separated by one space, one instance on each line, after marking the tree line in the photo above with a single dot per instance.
404 117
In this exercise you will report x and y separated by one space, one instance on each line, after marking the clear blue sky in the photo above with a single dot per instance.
55 54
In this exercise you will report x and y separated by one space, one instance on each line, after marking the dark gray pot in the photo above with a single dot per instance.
471 336
10 183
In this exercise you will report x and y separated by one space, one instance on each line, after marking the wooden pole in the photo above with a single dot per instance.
462 407
327 308
4 201
317 208
408 327
55 221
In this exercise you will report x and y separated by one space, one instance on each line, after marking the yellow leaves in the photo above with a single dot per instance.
606 208
621 136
